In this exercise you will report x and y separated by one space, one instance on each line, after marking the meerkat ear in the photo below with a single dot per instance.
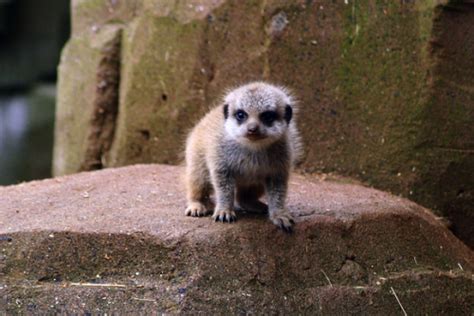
288 113
226 111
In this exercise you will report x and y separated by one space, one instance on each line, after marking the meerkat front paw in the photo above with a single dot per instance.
224 216
196 209
283 219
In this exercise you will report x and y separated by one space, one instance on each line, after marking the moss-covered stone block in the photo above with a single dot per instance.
156 93
89 16
86 88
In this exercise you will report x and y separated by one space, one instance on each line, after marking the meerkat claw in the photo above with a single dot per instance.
286 229
284 221
224 216
196 210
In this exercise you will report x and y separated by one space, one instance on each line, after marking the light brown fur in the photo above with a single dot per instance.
222 157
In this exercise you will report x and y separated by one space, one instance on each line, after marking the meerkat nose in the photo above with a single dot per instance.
252 128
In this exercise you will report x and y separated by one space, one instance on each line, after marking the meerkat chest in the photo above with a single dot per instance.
246 164
250 165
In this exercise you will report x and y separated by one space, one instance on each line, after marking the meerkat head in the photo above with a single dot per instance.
257 114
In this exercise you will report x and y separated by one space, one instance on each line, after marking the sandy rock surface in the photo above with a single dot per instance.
118 240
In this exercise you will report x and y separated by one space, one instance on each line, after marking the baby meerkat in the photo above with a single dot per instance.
241 149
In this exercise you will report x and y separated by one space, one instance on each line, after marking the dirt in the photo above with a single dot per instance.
117 240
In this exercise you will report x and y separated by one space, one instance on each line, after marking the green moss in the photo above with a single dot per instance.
90 5
91 15
384 88
159 58
427 12
78 73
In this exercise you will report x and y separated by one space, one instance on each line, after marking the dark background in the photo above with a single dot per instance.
32 34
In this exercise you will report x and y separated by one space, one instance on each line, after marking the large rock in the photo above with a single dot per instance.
385 87
88 80
117 240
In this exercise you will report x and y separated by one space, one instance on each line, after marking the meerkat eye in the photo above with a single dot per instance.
268 117
240 115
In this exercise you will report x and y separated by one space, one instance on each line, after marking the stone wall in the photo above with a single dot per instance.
385 87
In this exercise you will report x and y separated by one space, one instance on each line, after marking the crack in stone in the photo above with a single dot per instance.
103 121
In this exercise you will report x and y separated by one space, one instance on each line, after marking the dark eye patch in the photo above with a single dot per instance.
226 111
268 117
288 113
240 115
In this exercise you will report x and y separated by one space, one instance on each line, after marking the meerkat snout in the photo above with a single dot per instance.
252 128
241 150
